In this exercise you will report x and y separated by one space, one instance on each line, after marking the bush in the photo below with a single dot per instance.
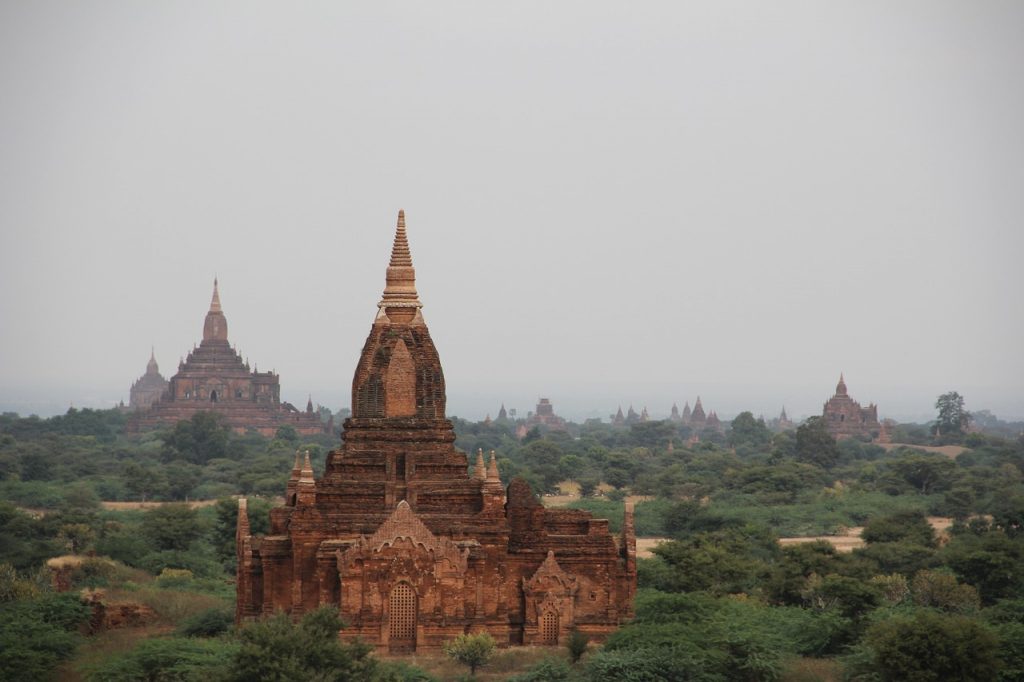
171 658
470 650
37 634
208 623
927 646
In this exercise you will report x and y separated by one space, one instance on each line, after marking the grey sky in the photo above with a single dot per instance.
607 202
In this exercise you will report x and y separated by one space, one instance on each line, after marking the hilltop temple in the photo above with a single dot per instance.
413 546
148 388
845 418
215 378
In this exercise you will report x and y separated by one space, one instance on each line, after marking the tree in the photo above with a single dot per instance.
277 650
172 526
931 646
197 440
815 445
907 526
746 430
953 418
472 650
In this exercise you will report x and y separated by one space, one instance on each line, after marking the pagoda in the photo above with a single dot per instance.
213 377
148 388
412 544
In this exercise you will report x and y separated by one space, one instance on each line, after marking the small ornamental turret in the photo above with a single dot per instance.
480 471
306 486
492 482
242 529
309 404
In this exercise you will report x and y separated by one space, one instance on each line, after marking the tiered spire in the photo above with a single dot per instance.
216 326
480 471
215 301
400 301
841 386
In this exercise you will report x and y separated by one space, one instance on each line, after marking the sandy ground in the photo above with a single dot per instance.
951 451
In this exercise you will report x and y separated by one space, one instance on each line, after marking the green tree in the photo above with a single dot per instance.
906 526
577 645
815 445
952 418
748 431
197 440
470 650
172 527
277 650
931 647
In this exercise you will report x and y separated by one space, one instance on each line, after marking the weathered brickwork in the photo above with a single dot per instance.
148 388
409 544
213 377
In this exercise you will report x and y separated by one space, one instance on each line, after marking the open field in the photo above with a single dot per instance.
951 451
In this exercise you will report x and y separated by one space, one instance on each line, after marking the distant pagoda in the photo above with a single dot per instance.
148 388
213 377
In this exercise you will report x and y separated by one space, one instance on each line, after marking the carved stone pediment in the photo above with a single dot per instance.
551 578
404 528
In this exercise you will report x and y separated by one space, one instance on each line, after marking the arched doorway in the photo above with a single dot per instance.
402 619
213 396
548 628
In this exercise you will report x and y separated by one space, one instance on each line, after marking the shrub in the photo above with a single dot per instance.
470 650
208 623
171 658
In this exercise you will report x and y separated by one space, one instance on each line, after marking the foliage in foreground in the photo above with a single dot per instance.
470 650
36 634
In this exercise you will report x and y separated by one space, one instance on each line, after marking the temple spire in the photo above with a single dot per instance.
215 301
400 302
480 471
215 328
841 386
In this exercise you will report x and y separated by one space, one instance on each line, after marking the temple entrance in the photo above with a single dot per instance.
548 629
213 396
402 619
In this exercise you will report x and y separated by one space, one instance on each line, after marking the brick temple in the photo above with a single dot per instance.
845 418
148 388
213 377
413 546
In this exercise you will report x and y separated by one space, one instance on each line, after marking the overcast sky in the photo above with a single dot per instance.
607 203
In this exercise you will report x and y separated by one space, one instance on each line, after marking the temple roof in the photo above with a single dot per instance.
400 301
215 328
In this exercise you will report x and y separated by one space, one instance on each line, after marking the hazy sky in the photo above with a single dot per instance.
608 203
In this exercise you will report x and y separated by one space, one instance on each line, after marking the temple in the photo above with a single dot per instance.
148 388
845 418
412 544
215 378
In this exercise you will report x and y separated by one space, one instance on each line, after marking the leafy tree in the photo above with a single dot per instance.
277 650
748 431
941 590
172 527
225 524
907 526
931 647
952 418
37 634
815 445
470 650
198 440
208 623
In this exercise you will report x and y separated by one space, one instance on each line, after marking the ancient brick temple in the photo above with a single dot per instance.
215 378
845 418
148 388
412 546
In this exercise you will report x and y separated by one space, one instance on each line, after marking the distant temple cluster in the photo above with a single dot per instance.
845 418
213 377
